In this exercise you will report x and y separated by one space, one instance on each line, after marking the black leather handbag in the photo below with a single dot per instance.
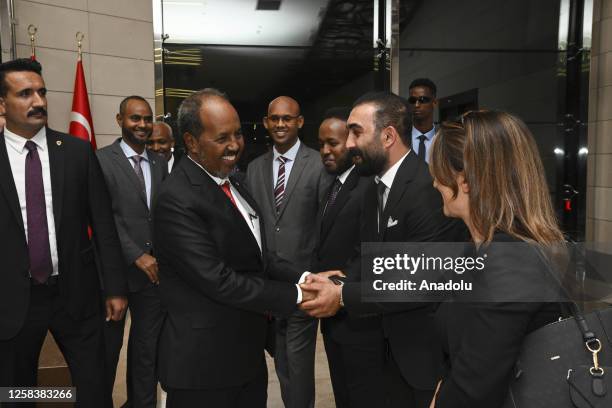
566 364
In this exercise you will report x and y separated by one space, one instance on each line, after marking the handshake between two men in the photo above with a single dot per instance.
322 293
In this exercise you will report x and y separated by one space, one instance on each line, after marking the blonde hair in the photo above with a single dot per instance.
498 156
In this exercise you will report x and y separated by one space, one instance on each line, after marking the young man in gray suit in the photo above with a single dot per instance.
288 184
133 177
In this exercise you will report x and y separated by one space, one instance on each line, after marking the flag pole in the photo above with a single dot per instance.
79 37
32 29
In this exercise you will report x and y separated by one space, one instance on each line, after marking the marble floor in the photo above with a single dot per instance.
324 395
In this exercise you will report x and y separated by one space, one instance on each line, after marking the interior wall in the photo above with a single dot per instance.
117 58
599 162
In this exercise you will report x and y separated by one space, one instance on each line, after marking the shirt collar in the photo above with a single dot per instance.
18 142
389 176
216 179
345 175
289 154
129 152
429 135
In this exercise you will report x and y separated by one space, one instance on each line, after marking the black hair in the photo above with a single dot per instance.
426 83
124 102
391 110
17 65
189 112
337 112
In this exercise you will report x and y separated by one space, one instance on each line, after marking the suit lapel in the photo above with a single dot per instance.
124 164
55 145
404 175
296 172
268 177
156 169
343 197
7 183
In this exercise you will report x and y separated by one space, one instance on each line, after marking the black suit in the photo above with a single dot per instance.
134 222
354 344
71 307
214 286
413 362
481 340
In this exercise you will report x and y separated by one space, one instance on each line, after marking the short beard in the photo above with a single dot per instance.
373 160
344 163
133 139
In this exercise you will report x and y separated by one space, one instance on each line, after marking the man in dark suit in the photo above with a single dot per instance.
288 184
354 344
162 142
423 103
133 177
214 268
52 190
400 205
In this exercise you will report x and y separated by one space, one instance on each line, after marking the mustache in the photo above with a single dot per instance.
228 152
354 151
36 111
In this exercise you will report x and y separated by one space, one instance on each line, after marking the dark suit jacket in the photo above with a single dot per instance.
292 233
214 284
80 199
338 244
481 341
417 207
133 219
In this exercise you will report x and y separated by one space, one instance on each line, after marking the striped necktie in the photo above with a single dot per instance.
279 189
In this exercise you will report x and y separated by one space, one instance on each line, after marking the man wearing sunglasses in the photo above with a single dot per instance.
422 102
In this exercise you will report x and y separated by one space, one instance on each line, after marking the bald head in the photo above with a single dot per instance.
285 101
161 140
283 122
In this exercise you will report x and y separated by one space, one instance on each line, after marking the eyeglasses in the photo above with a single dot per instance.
284 118
420 99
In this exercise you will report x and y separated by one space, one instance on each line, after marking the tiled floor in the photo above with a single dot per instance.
324 395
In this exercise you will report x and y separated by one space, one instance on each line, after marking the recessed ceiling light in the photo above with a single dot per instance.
269 5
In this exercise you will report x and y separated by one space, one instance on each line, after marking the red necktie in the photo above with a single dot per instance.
226 189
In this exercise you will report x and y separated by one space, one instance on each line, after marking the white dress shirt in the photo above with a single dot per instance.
250 216
429 139
342 178
388 177
171 163
290 155
144 165
17 153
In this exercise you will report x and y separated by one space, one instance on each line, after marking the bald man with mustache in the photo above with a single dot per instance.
288 184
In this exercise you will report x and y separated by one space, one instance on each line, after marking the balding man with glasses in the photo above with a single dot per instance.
288 184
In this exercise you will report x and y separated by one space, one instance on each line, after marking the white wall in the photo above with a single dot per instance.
118 54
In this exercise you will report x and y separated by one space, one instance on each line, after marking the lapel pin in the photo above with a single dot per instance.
58 142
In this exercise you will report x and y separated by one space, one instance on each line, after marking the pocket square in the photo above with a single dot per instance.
391 222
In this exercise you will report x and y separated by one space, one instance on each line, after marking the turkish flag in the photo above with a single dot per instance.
81 123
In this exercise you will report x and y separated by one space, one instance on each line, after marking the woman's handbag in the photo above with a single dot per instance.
566 364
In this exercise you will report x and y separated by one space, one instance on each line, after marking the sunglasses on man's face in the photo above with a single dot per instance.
420 99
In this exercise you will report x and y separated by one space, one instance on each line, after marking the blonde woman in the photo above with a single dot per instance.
489 173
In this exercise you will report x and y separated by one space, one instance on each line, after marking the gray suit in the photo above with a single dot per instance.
292 235
134 222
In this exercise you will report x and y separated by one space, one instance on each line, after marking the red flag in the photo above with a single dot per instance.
81 123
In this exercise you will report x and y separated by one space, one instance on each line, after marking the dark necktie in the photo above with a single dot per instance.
39 250
279 189
421 153
380 194
228 192
333 194
139 174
